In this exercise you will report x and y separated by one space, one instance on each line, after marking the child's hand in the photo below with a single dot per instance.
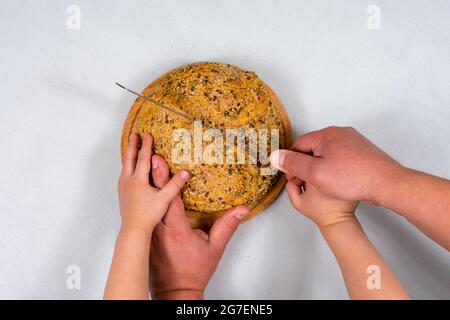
182 260
321 209
141 205
346 238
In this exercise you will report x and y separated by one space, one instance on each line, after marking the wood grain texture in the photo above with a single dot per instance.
202 220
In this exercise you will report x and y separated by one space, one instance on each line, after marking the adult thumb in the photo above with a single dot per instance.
224 227
293 163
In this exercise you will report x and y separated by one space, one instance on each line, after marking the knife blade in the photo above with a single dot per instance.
181 114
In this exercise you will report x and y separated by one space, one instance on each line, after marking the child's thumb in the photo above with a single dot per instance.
171 189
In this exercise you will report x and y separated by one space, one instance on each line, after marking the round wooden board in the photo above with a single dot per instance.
201 220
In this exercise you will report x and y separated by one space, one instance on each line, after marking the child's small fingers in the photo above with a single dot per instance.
295 194
171 189
160 171
143 164
129 160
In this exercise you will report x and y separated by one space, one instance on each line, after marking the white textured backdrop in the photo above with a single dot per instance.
61 118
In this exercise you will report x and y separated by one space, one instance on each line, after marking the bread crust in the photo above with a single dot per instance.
208 84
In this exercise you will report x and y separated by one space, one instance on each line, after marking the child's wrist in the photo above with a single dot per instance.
135 229
339 226
179 294
335 218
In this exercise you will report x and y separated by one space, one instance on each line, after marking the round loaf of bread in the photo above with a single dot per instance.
221 97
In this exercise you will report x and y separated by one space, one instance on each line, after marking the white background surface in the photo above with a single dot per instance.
61 118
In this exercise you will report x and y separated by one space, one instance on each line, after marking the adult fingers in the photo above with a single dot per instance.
160 171
289 177
224 227
171 189
293 188
176 215
129 160
293 163
143 164
309 142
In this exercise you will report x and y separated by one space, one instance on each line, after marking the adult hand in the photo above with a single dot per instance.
182 260
339 162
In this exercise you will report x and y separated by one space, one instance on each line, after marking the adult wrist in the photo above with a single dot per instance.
384 189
